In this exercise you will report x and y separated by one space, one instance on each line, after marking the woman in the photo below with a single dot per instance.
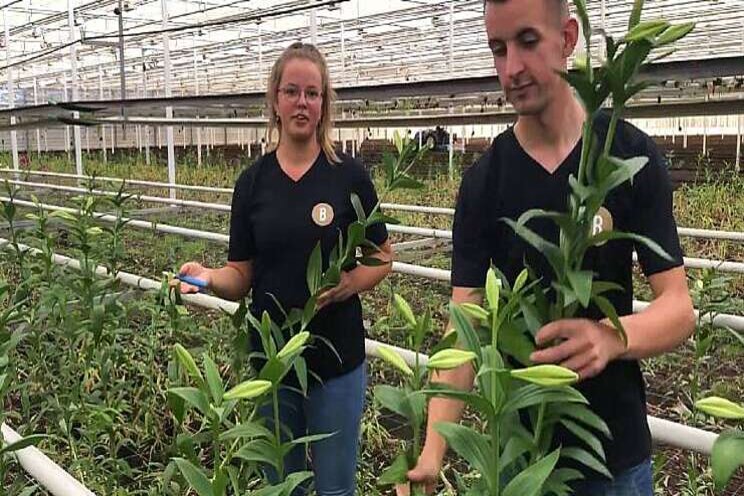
282 206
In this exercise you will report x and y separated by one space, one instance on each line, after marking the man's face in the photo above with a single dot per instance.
529 44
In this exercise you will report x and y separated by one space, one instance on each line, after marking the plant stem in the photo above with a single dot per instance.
277 430
538 430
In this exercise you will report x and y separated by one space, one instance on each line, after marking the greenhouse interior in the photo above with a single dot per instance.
389 247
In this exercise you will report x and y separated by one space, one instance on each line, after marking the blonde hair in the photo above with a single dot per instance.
306 51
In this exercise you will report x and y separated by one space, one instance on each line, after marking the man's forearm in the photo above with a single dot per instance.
445 409
665 324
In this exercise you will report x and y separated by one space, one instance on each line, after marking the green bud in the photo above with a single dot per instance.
404 309
394 359
546 375
521 280
474 311
493 289
721 407
293 345
247 390
188 362
450 359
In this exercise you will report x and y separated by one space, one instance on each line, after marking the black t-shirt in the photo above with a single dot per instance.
273 224
506 182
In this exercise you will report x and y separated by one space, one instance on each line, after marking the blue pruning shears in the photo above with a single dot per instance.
199 283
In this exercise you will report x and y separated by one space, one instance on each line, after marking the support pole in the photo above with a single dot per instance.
11 91
451 63
103 128
168 110
196 92
67 128
313 27
738 144
148 129
38 131
75 96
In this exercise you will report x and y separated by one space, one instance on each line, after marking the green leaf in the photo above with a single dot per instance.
606 236
646 30
587 459
312 438
25 442
398 141
214 381
549 250
533 394
358 208
314 270
195 477
582 414
608 309
188 363
395 473
727 457
465 331
248 430
625 170
635 15
584 88
585 435
530 481
192 396
399 401
475 401
261 451
581 283
469 444
675 33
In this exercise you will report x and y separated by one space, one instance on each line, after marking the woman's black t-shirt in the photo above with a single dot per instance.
276 223
506 182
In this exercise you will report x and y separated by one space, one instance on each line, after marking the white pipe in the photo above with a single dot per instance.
671 434
154 199
134 182
681 436
142 224
43 470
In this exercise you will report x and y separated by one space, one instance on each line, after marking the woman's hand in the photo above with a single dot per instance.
197 271
345 289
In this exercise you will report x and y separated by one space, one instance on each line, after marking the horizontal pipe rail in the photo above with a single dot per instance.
136 182
683 231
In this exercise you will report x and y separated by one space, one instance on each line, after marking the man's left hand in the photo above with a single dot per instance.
345 289
582 345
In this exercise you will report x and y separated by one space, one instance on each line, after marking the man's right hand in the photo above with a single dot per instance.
196 270
425 472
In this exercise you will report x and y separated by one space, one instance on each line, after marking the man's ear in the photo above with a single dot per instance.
570 36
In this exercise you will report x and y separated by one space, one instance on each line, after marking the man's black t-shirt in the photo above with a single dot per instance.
506 182
276 222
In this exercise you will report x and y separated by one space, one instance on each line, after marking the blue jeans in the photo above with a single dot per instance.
636 481
334 406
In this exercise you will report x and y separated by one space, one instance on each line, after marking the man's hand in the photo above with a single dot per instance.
425 472
345 289
582 345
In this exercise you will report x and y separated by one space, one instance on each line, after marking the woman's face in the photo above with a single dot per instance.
299 100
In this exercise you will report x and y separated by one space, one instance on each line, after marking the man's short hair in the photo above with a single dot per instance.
561 6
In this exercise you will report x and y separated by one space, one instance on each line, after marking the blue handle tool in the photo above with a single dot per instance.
199 283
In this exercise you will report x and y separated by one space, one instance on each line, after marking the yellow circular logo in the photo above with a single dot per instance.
322 214
602 222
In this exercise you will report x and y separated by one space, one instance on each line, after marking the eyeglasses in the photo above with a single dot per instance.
292 93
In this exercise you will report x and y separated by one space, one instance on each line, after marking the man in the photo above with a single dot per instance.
528 167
